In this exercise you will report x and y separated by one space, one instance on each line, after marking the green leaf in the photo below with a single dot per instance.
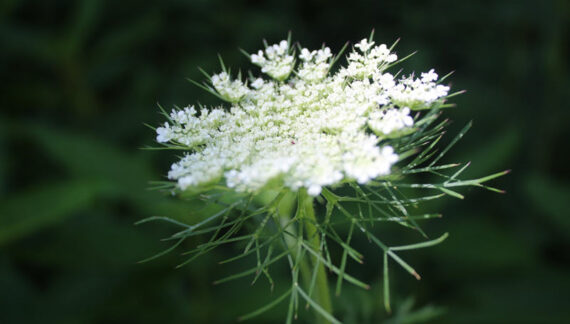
27 212
550 197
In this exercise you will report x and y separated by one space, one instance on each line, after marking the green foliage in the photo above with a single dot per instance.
33 210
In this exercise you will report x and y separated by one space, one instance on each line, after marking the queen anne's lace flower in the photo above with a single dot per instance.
231 91
308 129
276 61
388 121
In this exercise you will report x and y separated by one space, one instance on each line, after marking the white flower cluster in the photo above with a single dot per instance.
369 61
388 121
418 92
316 64
308 130
277 61
231 91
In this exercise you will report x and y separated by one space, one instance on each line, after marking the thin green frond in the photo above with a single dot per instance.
158 255
386 282
420 245
477 182
453 142
402 59
252 270
223 66
267 307
317 307
336 270
343 261
162 218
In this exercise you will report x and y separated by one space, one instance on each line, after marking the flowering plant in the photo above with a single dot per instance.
349 139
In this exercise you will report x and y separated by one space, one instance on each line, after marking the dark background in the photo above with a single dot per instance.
79 79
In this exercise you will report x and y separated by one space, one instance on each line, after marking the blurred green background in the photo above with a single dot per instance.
81 77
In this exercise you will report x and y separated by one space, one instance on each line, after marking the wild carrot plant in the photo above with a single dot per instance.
308 132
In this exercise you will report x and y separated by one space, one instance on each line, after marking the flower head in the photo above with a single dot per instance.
303 129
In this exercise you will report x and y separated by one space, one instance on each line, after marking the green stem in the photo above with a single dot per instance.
322 287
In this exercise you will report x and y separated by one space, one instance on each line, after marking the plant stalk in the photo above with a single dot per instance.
321 283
